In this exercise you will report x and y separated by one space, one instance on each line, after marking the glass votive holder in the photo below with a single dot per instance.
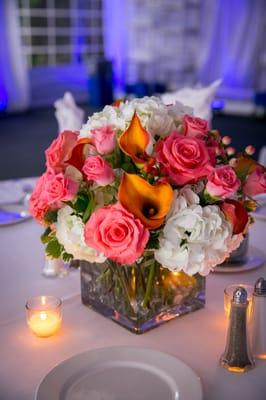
228 295
44 315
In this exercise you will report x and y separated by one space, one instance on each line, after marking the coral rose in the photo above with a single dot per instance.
116 233
195 127
98 170
222 182
184 159
256 182
104 139
38 205
60 150
58 187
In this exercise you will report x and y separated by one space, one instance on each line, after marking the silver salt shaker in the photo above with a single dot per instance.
258 319
237 356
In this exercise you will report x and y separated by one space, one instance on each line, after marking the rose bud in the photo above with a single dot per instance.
250 205
230 151
233 162
250 150
226 140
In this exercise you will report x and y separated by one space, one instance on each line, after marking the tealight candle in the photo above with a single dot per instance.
44 315
228 294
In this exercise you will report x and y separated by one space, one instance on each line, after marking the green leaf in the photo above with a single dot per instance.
54 248
153 242
46 236
67 257
90 208
50 216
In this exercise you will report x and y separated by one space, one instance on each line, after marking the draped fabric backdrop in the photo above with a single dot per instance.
14 84
231 42
229 47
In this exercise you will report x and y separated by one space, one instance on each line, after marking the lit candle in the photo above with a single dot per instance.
44 315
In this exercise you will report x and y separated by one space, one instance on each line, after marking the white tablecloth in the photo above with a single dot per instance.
198 338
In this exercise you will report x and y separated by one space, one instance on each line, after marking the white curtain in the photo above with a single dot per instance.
13 70
231 42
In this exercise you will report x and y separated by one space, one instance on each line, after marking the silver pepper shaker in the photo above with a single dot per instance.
237 356
258 319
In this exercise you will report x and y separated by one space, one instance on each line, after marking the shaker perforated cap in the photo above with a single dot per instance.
260 287
240 295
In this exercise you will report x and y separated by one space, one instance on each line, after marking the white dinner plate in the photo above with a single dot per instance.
255 259
13 214
121 373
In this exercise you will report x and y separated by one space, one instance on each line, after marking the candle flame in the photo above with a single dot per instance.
43 300
43 316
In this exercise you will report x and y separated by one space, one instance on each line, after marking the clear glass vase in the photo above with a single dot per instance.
140 296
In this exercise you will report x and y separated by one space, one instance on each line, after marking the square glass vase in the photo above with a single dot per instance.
140 296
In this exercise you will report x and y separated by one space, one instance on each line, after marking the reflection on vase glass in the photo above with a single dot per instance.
140 296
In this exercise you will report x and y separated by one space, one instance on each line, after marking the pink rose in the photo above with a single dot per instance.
98 170
38 205
184 159
256 182
60 150
104 139
222 182
195 127
58 187
114 231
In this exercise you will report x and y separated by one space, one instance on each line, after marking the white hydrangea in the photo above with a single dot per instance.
108 116
195 239
178 110
69 232
161 123
144 107
156 117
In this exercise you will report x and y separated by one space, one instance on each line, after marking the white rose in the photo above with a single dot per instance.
69 232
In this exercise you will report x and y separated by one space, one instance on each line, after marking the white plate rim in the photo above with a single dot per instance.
252 252
196 379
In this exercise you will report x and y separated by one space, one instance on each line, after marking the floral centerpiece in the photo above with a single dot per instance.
150 200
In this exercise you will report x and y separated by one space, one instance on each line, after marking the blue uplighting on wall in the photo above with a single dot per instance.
217 105
3 99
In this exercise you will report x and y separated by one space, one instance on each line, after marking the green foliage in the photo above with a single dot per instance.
46 236
66 256
54 248
50 217
153 242
84 204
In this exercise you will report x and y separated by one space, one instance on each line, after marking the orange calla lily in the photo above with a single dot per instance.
134 141
117 103
149 203
245 165
78 155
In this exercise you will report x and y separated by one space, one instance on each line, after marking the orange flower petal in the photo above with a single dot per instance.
244 166
149 203
78 155
134 141
117 103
